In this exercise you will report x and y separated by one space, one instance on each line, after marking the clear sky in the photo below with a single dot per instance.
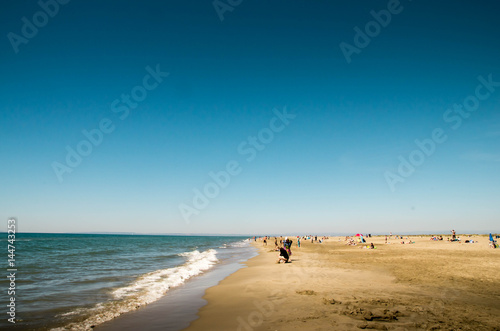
308 125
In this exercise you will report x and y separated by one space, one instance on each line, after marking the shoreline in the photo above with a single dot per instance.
425 285
178 307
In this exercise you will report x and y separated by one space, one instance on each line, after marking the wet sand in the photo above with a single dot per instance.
427 285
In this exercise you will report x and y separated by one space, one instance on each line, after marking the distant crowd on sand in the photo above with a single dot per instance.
455 238
284 246
360 239
492 242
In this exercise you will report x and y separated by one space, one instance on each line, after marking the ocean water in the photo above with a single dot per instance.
77 281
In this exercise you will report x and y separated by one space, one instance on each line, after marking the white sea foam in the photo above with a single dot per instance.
242 243
146 289
154 284
73 312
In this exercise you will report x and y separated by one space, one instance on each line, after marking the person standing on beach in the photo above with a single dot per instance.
453 235
298 242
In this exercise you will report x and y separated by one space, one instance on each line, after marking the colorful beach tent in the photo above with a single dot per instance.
491 237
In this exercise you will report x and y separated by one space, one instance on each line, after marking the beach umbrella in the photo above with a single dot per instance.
491 237
358 235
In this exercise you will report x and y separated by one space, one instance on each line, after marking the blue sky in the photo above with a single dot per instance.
324 171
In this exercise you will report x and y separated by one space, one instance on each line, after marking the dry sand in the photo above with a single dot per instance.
428 285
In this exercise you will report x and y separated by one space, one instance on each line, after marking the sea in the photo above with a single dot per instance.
79 281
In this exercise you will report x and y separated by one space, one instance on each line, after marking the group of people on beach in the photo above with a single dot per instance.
284 245
351 242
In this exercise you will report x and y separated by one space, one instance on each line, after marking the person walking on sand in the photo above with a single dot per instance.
453 235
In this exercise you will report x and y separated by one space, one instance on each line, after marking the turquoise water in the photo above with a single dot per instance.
80 280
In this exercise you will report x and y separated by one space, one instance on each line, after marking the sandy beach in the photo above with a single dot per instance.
427 285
